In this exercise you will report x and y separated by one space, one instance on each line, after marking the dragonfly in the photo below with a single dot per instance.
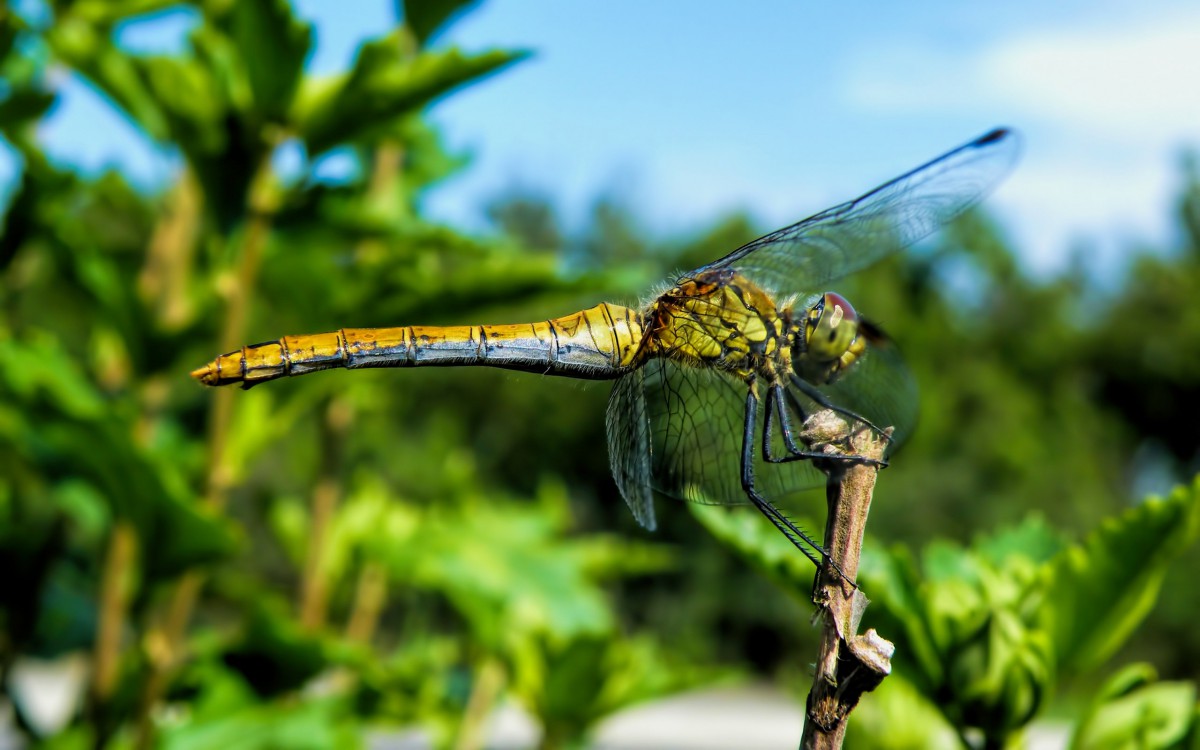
712 374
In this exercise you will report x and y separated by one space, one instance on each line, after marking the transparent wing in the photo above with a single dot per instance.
629 446
879 387
846 238
696 419
686 440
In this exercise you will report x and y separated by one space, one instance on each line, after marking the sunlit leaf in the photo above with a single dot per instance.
1133 711
761 544
119 76
107 12
897 715
273 45
427 18
228 715
1100 590
384 85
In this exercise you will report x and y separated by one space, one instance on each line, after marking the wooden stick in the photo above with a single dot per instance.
848 664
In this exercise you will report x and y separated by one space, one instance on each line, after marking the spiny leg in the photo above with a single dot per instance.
776 406
808 389
782 522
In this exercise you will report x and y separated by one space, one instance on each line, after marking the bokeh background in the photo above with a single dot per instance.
352 557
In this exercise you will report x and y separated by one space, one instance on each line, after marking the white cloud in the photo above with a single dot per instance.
1106 109
1136 82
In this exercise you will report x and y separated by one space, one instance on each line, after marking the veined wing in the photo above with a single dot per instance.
846 238
678 430
628 429
879 387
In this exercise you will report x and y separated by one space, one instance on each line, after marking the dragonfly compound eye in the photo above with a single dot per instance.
833 325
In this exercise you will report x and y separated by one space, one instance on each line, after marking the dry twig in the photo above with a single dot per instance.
848 664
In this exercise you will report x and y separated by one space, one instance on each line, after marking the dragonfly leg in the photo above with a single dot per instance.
822 400
776 406
773 514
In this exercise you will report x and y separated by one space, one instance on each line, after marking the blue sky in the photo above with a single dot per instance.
687 110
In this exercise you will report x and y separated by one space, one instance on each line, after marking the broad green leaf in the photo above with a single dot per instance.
759 542
427 18
187 101
1100 590
505 568
1031 542
77 434
117 75
573 685
898 716
108 12
315 724
273 45
38 368
891 579
382 86
23 105
273 654
1133 711
961 629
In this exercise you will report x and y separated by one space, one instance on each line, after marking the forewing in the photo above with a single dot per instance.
629 446
696 418
846 238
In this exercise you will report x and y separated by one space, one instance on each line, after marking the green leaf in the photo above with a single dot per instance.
1100 590
573 685
383 85
961 628
760 543
892 580
108 12
1133 711
273 654
223 712
426 18
22 106
273 45
76 433
184 101
503 565
38 368
117 75
897 716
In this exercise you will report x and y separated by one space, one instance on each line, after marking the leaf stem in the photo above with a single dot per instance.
116 588
489 681
165 644
370 594
314 583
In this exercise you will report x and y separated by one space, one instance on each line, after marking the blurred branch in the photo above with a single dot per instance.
163 281
116 586
369 596
489 682
314 584
167 643
848 664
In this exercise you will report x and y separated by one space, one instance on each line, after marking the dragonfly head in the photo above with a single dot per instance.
830 331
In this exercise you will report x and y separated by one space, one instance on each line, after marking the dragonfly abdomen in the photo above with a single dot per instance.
598 343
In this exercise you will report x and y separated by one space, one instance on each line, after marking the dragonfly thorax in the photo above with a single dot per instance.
720 319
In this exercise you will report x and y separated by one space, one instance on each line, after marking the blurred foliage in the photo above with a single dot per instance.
376 549
983 634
